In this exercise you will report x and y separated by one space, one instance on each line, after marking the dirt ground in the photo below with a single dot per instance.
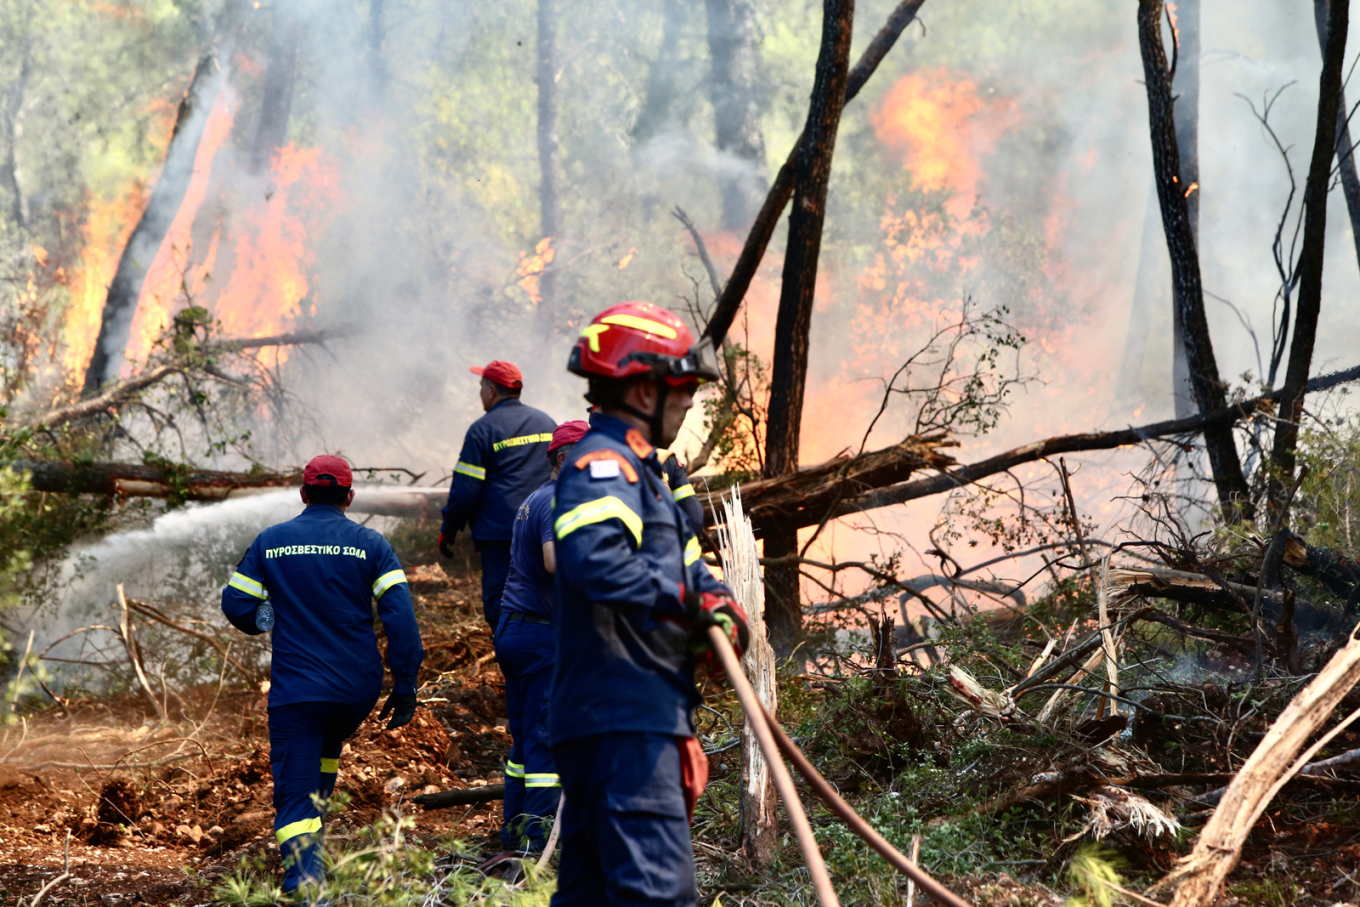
141 812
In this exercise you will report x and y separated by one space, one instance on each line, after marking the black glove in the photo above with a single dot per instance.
402 707
445 543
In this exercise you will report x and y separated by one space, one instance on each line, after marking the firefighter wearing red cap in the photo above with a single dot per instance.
503 460
313 580
632 601
526 653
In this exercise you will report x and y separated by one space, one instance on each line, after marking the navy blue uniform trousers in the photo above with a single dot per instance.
305 740
625 830
495 558
525 653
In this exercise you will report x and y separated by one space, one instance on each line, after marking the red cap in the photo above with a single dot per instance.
503 373
568 433
328 470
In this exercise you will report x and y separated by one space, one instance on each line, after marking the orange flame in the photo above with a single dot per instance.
172 274
941 126
268 285
108 224
531 266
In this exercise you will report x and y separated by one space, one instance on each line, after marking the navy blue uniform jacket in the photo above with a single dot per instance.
321 572
677 480
625 554
528 589
504 458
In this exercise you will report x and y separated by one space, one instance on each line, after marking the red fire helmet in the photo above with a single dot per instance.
639 339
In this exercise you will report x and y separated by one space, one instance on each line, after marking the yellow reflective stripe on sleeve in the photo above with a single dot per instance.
310 826
542 780
330 766
514 770
597 511
387 581
542 437
692 551
684 491
247 585
467 469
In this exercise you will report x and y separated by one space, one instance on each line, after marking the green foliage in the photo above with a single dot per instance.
1328 501
1091 871
382 867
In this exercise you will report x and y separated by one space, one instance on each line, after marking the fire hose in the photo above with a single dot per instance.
773 740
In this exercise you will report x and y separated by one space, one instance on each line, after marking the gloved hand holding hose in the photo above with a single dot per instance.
704 610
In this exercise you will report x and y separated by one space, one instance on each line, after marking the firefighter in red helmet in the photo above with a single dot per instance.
632 601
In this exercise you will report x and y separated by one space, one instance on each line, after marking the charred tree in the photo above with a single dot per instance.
1185 94
550 215
11 128
1150 294
377 63
794 322
1310 259
725 311
663 76
734 84
1345 154
276 104
1230 483
121 303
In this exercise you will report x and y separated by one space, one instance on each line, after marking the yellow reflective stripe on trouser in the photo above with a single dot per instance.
684 491
467 469
310 826
692 551
542 779
597 511
247 585
514 770
387 581
330 766
540 438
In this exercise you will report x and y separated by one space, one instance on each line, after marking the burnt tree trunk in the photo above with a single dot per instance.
736 107
794 321
1185 92
280 74
1310 259
11 114
121 303
663 75
725 311
1180 240
1345 163
1150 294
377 63
550 216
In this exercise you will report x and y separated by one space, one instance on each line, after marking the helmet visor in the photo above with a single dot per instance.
700 362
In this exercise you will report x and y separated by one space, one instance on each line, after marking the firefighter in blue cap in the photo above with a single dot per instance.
503 460
313 580
526 653
632 602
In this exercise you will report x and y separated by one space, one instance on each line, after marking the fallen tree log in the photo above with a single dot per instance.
1338 573
135 480
467 796
128 480
806 496
1049 447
